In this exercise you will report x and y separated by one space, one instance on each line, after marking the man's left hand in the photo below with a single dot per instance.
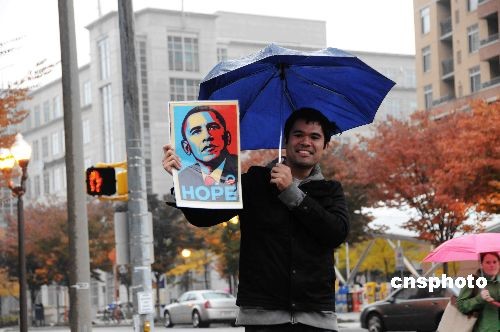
281 176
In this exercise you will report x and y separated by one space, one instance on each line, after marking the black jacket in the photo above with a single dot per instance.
286 256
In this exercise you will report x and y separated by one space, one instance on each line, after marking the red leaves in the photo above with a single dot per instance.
445 168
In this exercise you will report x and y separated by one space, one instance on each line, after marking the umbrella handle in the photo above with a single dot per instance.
279 147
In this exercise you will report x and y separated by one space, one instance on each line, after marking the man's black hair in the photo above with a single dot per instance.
200 109
311 115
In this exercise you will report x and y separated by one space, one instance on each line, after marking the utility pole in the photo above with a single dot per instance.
140 250
79 269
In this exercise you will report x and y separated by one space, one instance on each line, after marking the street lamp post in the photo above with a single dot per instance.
186 253
19 152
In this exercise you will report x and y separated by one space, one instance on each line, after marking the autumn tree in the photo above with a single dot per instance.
172 233
46 243
223 241
341 162
445 168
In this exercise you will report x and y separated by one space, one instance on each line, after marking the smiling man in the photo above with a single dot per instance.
291 221
206 139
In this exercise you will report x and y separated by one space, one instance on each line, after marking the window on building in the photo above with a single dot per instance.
56 104
27 121
46 182
192 87
56 144
191 54
457 16
58 179
46 112
475 79
393 106
425 20
221 54
87 94
183 89
175 53
410 79
104 58
473 37
426 58
35 150
37 116
36 186
45 147
176 89
86 131
183 53
428 96
459 57
107 108
472 5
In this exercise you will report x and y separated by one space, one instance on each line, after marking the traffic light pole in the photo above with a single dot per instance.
79 269
140 255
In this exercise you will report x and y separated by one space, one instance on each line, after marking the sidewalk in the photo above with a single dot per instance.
347 317
343 317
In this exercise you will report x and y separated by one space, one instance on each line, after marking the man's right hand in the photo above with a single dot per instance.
170 159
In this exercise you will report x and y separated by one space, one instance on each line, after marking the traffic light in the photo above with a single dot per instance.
121 183
101 181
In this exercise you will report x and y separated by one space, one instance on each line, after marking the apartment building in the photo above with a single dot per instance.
457 52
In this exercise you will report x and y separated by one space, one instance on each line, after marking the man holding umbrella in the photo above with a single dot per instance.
291 222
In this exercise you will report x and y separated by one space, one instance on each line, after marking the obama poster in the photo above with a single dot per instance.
205 135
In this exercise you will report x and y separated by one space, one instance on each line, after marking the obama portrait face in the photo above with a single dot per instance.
205 136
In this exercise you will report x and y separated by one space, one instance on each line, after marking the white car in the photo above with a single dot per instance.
200 308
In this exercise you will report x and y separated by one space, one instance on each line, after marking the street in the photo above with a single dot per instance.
347 327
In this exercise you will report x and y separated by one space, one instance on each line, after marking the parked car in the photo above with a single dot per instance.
200 308
407 309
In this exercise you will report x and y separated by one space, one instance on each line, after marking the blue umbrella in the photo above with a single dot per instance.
275 81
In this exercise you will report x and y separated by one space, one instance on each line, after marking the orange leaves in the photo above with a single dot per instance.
442 167
46 241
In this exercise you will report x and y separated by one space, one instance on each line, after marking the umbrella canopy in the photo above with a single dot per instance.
465 248
275 81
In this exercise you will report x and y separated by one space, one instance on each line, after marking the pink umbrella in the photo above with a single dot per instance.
465 248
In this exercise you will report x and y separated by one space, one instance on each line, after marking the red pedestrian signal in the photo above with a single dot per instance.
101 181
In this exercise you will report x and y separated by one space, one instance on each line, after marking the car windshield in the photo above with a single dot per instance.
214 295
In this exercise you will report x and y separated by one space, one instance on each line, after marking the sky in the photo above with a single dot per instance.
358 25
384 26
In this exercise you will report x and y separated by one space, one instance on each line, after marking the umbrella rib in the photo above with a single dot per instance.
287 94
329 90
257 96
